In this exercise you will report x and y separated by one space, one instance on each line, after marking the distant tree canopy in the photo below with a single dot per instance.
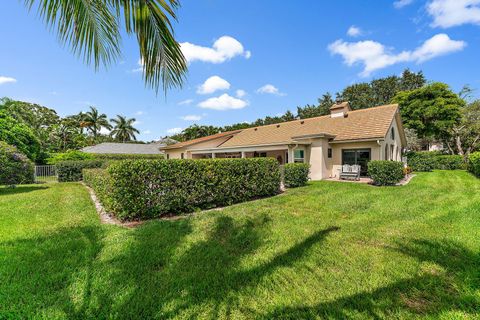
18 134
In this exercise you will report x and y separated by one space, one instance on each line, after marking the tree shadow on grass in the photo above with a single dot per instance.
21 189
208 273
449 283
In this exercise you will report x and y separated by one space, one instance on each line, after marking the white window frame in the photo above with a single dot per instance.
299 159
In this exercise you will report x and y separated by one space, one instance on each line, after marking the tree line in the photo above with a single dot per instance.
37 130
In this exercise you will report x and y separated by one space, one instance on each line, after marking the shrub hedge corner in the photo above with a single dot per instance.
385 173
144 189
71 170
296 174
474 163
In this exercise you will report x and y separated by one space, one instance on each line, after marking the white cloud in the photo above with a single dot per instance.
223 49
136 123
374 55
191 117
140 66
401 3
185 102
450 13
213 84
248 54
270 89
223 102
240 93
4 80
354 31
174 130
140 113
104 131
147 132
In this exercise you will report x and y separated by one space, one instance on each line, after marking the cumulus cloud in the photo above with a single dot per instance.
174 130
223 102
139 113
450 13
104 131
4 80
223 49
401 3
240 93
147 132
374 55
354 31
270 89
185 102
212 84
191 117
139 66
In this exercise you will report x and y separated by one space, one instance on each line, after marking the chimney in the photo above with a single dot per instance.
340 109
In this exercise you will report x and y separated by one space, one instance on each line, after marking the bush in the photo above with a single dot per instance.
385 173
19 135
72 170
100 181
474 163
296 174
142 189
72 155
15 167
428 161
117 156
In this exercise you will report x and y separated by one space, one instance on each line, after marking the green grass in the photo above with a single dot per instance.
328 250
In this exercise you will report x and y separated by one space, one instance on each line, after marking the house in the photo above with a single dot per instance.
326 142
125 148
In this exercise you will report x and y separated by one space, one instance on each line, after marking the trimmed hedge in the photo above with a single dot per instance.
15 167
296 174
68 171
474 163
118 156
144 189
428 161
72 155
385 173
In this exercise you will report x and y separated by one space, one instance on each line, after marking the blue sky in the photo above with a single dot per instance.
279 54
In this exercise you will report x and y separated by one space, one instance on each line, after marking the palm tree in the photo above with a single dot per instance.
92 29
95 121
123 130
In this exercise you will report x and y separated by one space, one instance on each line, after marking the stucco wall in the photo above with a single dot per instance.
396 143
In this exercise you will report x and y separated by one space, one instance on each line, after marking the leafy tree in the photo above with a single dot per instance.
35 116
323 107
413 142
19 135
432 111
92 29
95 121
411 80
123 129
465 135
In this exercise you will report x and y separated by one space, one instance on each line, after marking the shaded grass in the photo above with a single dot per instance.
328 250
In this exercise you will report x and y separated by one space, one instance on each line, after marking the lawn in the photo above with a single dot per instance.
327 250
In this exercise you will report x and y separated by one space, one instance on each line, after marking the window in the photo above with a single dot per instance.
181 156
168 156
386 152
391 152
299 156
357 156
329 153
392 134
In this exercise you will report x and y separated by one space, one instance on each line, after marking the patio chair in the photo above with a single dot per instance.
351 172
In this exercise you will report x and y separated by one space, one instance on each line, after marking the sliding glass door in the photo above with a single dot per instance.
357 156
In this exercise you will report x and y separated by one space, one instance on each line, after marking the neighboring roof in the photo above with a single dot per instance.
203 139
125 148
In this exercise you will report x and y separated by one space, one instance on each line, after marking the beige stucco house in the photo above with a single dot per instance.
326 142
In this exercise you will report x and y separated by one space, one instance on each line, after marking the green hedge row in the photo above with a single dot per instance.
68 171
474 163
142 189
15 167
428 161
295 174
114 156
385 173
76 155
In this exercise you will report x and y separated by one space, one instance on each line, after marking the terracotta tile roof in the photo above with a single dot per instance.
369 123
198 140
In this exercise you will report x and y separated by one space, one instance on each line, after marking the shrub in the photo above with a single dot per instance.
100 181
139 189
72 170
427 161
15 167
117 156
474 163
72 155
296 174
385 173
19 135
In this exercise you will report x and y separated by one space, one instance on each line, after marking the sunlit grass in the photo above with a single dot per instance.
328 250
